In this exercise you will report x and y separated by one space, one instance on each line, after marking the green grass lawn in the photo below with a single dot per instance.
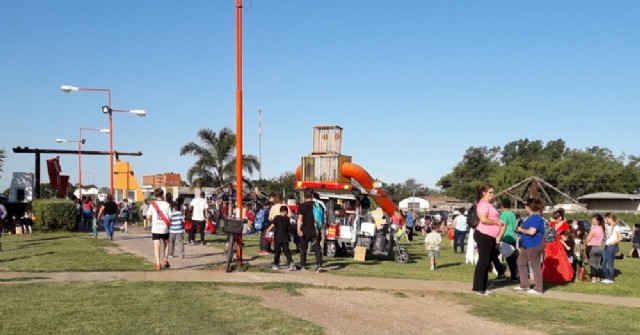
60 252
159 307
553 316
138 308
63 252
203 308
452 267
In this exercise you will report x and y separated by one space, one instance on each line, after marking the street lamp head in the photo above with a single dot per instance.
138 112
106 109
60 140
105 131
68 88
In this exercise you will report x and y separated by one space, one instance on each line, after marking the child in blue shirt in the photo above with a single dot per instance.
176 230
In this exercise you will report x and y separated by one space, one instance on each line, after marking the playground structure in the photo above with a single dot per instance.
345 188
329 172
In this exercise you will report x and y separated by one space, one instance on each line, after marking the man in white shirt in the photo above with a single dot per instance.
200 214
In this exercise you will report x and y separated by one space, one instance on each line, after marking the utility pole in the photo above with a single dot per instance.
260 143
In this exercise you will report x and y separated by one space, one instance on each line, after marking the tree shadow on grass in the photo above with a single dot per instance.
22 279
29 245
448 265
339 265
27 257
53 238
206 255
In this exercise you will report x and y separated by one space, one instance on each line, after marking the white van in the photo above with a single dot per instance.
625 231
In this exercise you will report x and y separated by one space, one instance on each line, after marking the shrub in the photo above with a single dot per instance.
54 214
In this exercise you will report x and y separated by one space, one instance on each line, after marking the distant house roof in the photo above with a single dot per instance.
610 196
433 198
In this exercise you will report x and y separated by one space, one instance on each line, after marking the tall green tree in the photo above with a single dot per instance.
575 172
477 166
399 191
283 184
215 163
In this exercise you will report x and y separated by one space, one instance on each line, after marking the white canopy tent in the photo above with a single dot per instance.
91 192
415 203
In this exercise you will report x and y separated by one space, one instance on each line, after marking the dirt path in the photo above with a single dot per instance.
376 312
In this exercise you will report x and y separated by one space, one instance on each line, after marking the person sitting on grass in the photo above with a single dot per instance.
27 221
432 245
280 226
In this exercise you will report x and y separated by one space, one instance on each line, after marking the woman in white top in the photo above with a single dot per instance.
612 238
159 215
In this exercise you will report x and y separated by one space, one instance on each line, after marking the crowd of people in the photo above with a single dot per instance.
275 223
555 250
544 250
22 222
534 248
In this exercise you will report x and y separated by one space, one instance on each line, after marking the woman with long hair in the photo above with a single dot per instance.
613 237
110 210
531 247
594 246
487 234
87 212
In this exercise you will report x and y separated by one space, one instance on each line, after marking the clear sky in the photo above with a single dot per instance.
414 83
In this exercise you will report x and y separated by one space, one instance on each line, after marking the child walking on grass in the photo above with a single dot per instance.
176 230
280 226
432 245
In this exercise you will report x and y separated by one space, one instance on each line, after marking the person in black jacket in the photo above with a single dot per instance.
280 226
308 232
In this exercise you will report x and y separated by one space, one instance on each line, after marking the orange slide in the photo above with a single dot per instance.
363 178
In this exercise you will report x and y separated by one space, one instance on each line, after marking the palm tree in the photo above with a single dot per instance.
216 160
2 158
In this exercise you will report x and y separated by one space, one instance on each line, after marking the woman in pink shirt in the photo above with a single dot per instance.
487 236
594 246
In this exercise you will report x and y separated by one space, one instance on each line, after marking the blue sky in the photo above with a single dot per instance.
414 83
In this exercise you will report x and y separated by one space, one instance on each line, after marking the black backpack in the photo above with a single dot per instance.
472 217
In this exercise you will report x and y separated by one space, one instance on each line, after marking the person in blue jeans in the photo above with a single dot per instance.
460 232
532 246
613 237
410 219
110 210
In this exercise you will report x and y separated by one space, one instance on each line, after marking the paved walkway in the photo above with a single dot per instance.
139 243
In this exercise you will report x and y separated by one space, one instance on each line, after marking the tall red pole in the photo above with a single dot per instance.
239 122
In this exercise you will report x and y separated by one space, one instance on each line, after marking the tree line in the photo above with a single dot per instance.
574 171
